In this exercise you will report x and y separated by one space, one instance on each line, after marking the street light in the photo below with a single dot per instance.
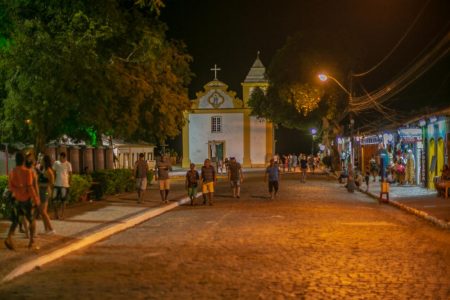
324 77
313 134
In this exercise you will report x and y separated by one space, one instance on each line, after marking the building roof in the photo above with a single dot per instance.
257 72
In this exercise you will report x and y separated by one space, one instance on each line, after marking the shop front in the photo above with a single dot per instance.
436 134
369 148
409 150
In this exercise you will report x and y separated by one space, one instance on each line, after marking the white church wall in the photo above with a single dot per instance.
200 133
257 141
204 102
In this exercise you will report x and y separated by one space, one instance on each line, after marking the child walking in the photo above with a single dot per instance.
191 184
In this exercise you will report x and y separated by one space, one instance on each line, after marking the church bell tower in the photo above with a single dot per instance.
256 77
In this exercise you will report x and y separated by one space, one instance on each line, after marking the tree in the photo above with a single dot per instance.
295 98
80 67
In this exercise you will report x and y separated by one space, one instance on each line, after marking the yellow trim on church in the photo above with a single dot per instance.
246 86
269 141
186 162
247 153
219 110
254 79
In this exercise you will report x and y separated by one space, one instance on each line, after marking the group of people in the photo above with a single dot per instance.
206 179
31 185
291 162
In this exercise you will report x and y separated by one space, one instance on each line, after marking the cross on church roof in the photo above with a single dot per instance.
215 69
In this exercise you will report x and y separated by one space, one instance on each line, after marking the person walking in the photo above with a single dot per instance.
303 167
63 176
235 177
25 195
294 162
312 167
140 173
191 183
374 169
273 174
46 180
290 162
162 175
208 179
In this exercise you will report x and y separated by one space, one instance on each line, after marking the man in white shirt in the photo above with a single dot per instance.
63 172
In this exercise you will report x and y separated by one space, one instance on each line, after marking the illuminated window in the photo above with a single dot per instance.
216 124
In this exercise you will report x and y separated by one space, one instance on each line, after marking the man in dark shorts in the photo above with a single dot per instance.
140 174
208 178
162 175
192 178
235 177
273 174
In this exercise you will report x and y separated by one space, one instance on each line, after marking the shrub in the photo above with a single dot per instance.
116 181
79 185
5 208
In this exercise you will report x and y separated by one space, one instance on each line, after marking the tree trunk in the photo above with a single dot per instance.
40 143
330 132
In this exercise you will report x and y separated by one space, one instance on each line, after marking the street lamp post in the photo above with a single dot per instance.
325 77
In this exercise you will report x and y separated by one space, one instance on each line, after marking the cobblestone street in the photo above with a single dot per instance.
315 241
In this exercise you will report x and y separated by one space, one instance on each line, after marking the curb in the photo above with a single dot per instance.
91 239
418 213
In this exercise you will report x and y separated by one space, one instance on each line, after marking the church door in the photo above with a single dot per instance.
219 149
216 151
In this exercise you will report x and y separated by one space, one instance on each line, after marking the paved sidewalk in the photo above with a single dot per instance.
82 220
417 198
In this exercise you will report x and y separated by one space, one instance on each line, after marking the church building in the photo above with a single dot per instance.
219 124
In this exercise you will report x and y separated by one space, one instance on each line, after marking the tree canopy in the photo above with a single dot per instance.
77 67
295 97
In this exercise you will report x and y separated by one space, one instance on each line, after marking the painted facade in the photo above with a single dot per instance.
219 124
436 135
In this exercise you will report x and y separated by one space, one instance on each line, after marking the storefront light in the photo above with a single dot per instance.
422 123
433 119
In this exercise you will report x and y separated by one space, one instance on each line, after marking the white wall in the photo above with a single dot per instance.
200 133
257 141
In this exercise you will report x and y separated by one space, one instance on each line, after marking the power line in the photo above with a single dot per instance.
406 78
396 45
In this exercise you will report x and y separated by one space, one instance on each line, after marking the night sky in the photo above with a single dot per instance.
229 33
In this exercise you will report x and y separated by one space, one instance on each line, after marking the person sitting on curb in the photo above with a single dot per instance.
445 176
344 175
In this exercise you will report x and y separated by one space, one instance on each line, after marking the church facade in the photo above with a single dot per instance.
219 124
